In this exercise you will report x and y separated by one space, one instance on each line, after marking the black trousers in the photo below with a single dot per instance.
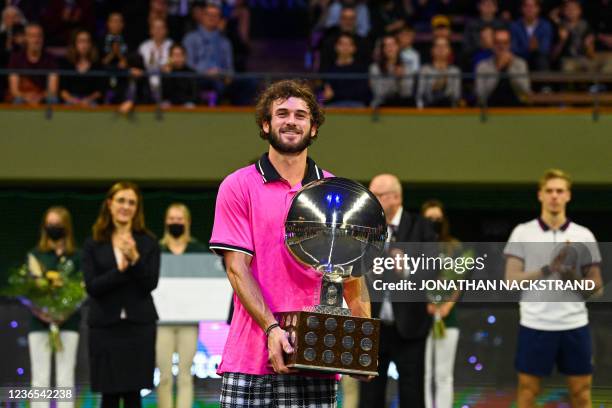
130 400
409 357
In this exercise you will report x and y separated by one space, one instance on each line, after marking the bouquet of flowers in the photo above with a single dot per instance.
51 295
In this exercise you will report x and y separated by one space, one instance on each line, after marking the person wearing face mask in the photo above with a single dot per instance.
55 251
171 338
121 268
439 368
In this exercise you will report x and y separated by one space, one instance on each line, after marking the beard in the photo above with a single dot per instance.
281 147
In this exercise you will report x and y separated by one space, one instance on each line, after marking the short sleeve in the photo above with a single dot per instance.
594 256
232 227
515 247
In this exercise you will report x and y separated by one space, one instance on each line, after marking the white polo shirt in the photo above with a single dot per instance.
537 244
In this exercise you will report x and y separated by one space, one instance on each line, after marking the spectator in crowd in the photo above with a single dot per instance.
502 80
347 25
439 368
155 53
439 83
575 50
27 88
55 252
171 338
158 10
178 90
472 38
408 54
121 267
391 83
425 10
346 92
11 39
387 16
31 9
404 325
238 31
179 14
441 27
61 17
485 47
113 47
532 37
209 52
114 52
82 57
362 15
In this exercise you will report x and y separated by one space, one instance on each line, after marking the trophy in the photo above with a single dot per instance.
336 226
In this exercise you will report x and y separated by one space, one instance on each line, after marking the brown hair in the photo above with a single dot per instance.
103 227
283 90
553 174
44 242
73 54
186 214
445 230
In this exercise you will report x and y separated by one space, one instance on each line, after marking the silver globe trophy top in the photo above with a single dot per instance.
335 225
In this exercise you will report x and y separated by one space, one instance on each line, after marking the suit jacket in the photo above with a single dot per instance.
110 291
411 318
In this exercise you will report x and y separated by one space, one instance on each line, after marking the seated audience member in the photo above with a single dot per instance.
178 90
485 47
575 51
532 37
61 17
502 80
346 92
387 16
82 57
12 23
209 52
114 57
237 30
389 81
27 88
155 52
362 14
347 25
441 28
472 35
409 56
439 82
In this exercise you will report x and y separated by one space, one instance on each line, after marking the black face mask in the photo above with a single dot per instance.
176 230
437 226
55 232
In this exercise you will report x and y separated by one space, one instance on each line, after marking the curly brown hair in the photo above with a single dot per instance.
283 90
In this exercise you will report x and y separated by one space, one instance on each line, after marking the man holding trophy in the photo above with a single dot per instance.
249 231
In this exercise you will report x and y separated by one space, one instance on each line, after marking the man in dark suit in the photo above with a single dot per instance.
405 325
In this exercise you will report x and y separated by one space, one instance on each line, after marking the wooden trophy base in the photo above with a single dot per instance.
332 343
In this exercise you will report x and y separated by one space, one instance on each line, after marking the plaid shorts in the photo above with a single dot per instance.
277 391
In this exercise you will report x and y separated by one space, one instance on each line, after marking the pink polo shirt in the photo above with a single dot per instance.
250 212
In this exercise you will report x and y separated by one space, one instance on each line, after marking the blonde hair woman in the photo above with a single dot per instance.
171 338
55 252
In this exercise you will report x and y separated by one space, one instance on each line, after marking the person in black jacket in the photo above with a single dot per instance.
405 325
121 268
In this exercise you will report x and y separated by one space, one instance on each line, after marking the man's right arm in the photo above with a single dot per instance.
238 266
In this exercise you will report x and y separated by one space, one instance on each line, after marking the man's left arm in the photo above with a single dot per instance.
593 272
357 297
